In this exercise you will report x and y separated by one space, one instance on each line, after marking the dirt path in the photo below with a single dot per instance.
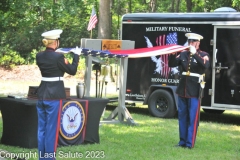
18 80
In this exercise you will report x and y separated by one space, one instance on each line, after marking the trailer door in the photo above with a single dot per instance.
226 66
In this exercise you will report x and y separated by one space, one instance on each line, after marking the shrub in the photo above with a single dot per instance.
10 58
31 57
81 64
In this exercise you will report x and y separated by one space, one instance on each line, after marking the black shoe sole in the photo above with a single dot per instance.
181 146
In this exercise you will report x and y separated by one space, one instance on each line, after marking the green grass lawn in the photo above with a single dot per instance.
154 138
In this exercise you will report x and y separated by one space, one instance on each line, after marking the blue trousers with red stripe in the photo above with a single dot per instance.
49 112
188 113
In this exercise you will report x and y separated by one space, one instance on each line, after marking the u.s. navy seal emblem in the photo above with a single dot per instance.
72 120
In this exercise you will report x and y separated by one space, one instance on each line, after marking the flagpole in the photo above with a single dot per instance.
91 34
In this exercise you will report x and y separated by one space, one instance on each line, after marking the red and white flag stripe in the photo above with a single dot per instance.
93 20
148 52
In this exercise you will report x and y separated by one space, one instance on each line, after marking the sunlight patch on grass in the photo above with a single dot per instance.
232 112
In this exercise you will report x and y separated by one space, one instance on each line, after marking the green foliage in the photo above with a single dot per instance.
81 64
9 58
211 5
23 22
31 57
81 67
236 4
22 28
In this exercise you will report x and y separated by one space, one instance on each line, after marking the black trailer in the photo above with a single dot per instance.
151 81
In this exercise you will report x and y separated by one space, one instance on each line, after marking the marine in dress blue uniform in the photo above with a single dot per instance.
192 64
51 92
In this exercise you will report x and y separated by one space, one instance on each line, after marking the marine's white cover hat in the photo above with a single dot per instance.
194 36
53 34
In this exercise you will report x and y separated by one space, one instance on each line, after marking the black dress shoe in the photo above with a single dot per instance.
178 145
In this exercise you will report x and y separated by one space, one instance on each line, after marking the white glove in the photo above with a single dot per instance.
77 51
192 49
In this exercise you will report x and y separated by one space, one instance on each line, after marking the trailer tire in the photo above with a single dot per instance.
213 111
161 104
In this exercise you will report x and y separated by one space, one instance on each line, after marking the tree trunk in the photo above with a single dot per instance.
178 5
189 5
130 6
172 6
104 29
153 5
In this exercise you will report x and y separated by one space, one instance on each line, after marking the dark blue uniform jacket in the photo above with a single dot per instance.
53 64
189 85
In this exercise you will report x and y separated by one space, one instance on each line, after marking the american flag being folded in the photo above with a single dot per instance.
131 53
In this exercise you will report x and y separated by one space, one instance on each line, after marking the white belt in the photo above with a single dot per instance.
200 76
51 79
191 74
